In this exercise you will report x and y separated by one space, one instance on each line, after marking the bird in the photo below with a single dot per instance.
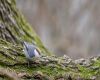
30 50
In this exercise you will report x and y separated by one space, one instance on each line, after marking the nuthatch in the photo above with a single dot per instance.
30 50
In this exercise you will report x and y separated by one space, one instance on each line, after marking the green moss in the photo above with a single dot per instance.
18 27
53 69
12 55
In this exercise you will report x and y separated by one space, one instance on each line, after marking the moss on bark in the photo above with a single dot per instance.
13 64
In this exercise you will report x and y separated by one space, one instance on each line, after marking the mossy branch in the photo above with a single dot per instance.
13 63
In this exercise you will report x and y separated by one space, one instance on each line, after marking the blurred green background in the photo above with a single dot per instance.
69 27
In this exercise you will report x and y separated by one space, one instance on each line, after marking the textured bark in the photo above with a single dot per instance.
13 63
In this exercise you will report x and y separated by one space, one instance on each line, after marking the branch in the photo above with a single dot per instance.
13 63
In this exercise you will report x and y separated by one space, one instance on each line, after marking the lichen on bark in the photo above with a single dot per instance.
13 64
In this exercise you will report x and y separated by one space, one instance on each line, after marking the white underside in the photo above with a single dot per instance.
36 53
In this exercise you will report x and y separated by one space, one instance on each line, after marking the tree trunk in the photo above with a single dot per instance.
13 63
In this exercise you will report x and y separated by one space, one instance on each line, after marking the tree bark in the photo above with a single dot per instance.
14 29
